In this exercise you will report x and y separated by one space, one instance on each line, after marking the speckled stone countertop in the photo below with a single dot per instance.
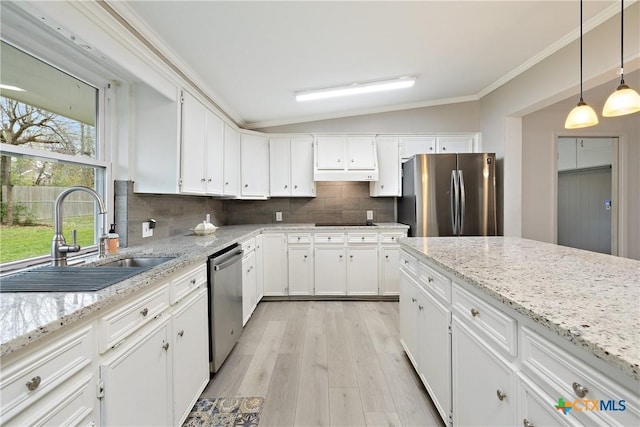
25 317
590 299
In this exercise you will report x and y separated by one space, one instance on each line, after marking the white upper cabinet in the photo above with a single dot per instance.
578 153
202 149
389 182
455 144
345 158
291 167
433 144
411 145
254 166
231 170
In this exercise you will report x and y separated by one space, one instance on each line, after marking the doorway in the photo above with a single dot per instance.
587 193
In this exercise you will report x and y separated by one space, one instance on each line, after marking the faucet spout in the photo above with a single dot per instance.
59 247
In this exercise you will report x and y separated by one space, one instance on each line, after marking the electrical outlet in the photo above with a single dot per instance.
278 216
369 215
146 230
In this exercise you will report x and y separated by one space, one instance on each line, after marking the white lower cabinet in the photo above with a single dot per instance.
389 270
274 261
249 286
259 267
190 339
484 389
300 270
330 270
362 276
408 317
135 380
537 408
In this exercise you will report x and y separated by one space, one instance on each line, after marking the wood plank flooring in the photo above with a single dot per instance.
326 363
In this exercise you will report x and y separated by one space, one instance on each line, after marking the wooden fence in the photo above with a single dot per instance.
39 201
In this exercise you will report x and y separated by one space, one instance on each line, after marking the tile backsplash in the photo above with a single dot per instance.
176 214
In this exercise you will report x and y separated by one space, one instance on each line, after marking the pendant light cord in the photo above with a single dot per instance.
621 42
581 99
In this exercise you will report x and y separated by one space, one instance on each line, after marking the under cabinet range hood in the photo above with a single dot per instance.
345 158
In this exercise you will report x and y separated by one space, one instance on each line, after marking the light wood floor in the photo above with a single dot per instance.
326 363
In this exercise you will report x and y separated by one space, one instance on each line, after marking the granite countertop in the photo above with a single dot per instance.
28 316
590 299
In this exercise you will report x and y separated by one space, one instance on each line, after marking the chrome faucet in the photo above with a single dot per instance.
59 247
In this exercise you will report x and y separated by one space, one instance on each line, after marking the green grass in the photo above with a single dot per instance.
21 242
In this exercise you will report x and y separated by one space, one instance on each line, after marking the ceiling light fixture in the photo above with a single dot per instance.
624 100
356 89
582 115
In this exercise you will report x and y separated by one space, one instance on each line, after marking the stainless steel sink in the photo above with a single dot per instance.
86 278
145 262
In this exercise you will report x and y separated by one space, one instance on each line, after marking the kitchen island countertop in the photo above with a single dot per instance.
588 298
26 317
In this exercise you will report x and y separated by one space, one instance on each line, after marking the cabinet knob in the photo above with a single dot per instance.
298 239
420 307
340 256
362 238
181 333
209 180
338 160
202 180
193 281
430 279
581 391
382 186
34 383
474 312
351 160
444 148
329 238
226 183
286 186
305 257
144 311
527 423
165 346
295 186
413 299
351 256
246 185
386 256
501 395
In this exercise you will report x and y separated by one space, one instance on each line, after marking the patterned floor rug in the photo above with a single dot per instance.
225 412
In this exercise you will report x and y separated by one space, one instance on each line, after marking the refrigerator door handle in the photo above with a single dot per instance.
462 203
454 202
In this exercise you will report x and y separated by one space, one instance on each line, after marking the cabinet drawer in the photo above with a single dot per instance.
117 325
409 264
33 377
435 282
184 284
362 238
390 238
557 371
249 245
492 323
302 238
332 238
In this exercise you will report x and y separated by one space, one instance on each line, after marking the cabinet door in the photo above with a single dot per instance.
259 267
136 382
231 161
248 286
591 152
361 152
390 271
330 276
538 408
412 145
434 354
362 270
455 144
274 261
409 316
302 183
480 377
214 150
280 163
330 153
190 354
193 146
566 154
389 182
254 169
300 270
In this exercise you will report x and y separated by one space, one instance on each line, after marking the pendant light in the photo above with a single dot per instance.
624 100
582 115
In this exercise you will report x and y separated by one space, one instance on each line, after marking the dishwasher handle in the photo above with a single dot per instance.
227 262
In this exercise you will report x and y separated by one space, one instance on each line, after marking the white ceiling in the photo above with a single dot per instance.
251 57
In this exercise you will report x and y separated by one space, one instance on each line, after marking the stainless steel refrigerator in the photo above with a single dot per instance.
449 195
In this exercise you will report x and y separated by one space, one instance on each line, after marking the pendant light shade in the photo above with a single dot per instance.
582 115
624 100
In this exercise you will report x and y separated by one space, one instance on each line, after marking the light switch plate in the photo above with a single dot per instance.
278 216
369 215
146 231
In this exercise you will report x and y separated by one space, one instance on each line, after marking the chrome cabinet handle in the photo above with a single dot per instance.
144 311
165 346
581 391
34 383
181 333
474 312
501 395
527 423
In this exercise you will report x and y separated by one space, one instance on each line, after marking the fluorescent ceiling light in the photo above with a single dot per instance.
9 87
356 89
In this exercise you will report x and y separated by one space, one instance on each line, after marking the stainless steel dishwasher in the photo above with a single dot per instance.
225 303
